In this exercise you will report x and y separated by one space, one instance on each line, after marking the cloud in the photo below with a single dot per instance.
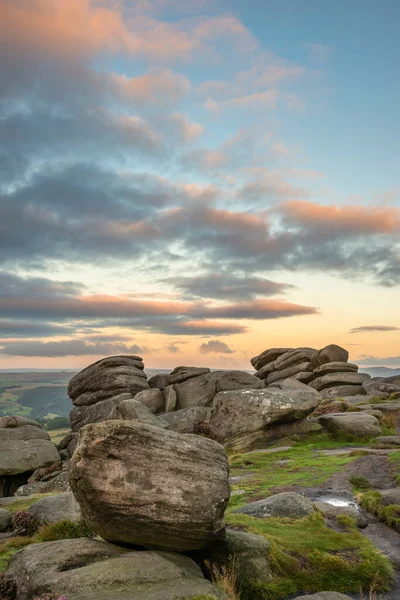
215 346
373 328
372 361
320 53
173 348
262 100
66 348
228 287
23 329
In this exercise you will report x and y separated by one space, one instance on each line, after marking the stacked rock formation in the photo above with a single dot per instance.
327 370
101 387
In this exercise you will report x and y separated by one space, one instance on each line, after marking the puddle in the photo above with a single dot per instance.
336 500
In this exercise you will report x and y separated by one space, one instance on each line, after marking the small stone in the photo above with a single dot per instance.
5 519
288 505
57 508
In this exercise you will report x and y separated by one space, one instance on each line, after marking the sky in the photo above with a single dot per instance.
197 181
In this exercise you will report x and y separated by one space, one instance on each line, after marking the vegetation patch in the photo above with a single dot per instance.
306 556
372 502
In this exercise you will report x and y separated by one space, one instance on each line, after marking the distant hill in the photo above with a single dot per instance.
380 371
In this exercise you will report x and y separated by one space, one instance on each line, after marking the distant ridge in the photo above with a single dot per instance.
380 371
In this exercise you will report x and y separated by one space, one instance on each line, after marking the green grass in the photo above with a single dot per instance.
360 482
373 502
24 503
307 556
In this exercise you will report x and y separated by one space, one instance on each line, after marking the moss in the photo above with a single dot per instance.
9 547
373 502
63 530
24 503
359 482
307 556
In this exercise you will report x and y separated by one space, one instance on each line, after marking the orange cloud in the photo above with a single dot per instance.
359 219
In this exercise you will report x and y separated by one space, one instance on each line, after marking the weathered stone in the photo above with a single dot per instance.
57 508
112 376
160 381
295 357
382 387
153 399
288 505
24 449
338 379
57 484
331 511
290 372
201 391
85 569
267 356
250 555
181 374
63 445
238 413
335 367
5 519
390 496
389 440
342 391
95 413
139 484
330 354
357 424
266 370
170 399
186 420
262 437
11 422
132 410
356 399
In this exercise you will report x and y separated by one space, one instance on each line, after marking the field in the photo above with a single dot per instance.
38 395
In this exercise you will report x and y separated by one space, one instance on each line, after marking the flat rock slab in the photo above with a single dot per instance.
338 379
358 424
24 449
57 508
85 569
324 596
269 450
142 485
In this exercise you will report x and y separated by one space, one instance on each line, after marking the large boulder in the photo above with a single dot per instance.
143 485
238 413
335 367
181 374
108 377
95 413
133 410
338 379
23 449
288 505
303 367
343 391
200 391
86 569
324 596
153 399
5 519
295 357
330 354
351 423
56 508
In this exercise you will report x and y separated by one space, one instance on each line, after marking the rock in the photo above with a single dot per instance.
335 367
181 374
143 485
239 413
331 512
57 508
201 390
343 391
95 413
5 519
291 384
324 596
86 569
186 420
288 505
57 484
11 422
250 555
390 496
295 357
159 381
339 379
382 386
356 399
132 410
153 399
302 377
63 445
389 440
266 370
267 356
330 354
329 405
170 399
290 372
108 378
357 424
259 439
25 448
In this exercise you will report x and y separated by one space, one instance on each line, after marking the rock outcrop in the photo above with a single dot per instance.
242 416
357 424
143 485
289 505
24 447
102 386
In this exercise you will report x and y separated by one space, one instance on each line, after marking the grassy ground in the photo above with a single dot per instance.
57 435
